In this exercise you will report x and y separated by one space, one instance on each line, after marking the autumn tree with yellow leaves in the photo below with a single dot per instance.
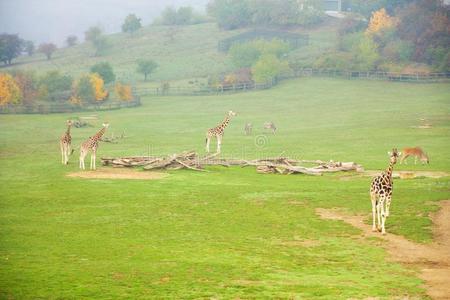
9 90
123 91
88 88
379 21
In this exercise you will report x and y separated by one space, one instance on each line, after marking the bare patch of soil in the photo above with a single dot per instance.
409 174
433 259
117 173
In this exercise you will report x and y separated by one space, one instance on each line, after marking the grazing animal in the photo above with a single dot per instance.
271 126
248 128
381 193
417 152
218 131
91 144
64 143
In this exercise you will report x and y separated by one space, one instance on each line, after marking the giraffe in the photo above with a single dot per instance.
65 143
218 131
91 144
381 192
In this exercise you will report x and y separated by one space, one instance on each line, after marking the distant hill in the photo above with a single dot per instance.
180 51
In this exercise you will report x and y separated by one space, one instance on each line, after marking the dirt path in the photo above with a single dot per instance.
117 173
433 259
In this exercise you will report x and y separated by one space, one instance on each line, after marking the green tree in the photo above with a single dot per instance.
269 67
29 48
230 14
131 23
366 54
99 41
71 40
84 89
105 71
47 49
55 84
146 67
246 54
10 47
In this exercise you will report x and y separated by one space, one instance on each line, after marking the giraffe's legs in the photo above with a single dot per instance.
403 159
373 198
383 216
82 157
219 143
378 214
208 140
61 146
93 157
415 160
388 204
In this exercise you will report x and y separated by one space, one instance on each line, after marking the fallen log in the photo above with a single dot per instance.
190 160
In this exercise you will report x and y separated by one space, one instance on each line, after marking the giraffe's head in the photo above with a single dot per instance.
106 125
69 122
394 155
231 113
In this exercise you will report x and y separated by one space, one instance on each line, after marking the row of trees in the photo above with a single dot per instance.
232 14
415 32
11 46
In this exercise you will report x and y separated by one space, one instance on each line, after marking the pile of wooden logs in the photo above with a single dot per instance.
190 160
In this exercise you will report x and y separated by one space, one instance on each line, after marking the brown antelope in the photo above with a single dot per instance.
417 152
271 126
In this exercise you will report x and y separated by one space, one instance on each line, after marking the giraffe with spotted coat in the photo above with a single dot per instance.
91 144
218 131
381 194
65 143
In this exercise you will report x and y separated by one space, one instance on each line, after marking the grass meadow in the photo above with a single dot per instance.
228 233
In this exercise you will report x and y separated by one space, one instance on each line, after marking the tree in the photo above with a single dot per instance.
123 91
246 54
47 49
184 15
366 54
169 16
27 83
146 67
269 67
53 85
230 14
88 88
131 23
105 71
10 47
29 47
379 21
100 42
9 91
71 40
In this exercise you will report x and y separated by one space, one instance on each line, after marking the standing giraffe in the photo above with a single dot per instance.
381 192
91 144
65 143
218 131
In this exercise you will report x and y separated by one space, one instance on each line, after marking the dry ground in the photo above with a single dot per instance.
433 260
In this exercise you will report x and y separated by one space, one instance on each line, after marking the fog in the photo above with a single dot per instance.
53 20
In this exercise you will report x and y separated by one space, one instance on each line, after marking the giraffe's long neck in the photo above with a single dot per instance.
68 129
99 134
225 122
389 171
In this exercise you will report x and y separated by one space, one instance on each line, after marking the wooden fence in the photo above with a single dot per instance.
305 72
66 107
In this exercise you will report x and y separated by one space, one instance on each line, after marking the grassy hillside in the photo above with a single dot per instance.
190 52
230 232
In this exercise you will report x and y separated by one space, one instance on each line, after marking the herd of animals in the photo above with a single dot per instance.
380 188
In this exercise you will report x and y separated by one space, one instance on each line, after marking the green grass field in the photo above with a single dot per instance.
228 233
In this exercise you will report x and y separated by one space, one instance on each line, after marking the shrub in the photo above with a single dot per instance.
398 51
9 90
334 60
52 85
366 55
131 23
246 54
105 71
268 67
98 86
123 91
27 83
380 20
88 88
349 41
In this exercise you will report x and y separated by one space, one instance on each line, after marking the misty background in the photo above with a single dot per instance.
53 20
